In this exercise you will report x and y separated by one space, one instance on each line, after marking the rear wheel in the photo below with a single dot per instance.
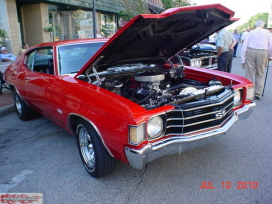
24 111
95 157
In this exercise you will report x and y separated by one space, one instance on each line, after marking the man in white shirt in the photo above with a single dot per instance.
256 50
224 44
5 56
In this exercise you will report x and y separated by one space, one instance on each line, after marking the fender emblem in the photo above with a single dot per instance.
59 111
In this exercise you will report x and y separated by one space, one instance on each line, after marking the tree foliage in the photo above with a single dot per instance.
174 3
132 8
260 16
135 7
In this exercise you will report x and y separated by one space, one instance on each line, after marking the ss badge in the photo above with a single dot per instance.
220 115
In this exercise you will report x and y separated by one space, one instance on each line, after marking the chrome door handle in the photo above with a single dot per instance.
26 78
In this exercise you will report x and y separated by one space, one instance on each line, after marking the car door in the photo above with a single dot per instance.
40 79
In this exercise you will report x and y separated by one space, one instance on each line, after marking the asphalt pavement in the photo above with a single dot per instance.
6 103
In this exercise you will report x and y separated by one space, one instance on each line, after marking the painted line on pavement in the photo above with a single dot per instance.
4 188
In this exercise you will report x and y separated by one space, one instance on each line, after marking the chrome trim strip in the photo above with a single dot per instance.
191 117
210 67
189 134
206 106
191 124
196 123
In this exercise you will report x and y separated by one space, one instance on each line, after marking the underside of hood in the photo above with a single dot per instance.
154 38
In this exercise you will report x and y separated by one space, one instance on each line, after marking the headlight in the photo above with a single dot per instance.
155 127
192 63
197 62
250 93
237 98
136 134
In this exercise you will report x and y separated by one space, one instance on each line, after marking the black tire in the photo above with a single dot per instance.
95 157
24 111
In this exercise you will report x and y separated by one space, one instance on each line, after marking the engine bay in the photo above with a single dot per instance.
153 86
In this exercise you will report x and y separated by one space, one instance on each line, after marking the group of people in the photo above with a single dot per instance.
255 52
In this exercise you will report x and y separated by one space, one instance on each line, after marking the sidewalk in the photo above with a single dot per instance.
6 103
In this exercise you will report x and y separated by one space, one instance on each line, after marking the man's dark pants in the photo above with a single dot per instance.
224 61
235 49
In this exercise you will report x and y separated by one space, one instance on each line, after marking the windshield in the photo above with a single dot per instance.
73 57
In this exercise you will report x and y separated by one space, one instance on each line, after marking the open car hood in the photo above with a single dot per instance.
155 38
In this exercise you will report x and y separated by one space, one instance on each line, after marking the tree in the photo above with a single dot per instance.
132 8
135 7
260 16
174 3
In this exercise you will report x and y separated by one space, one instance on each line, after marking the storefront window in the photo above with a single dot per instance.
4 29
55 22
108 24
79 24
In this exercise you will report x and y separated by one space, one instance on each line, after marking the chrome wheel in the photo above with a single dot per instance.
24 111
86 147
95 157
18 104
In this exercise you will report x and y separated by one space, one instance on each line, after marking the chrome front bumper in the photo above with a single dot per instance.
178 144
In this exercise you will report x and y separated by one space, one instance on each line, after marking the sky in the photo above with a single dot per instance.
243 9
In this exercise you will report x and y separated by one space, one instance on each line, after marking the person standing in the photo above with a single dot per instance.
237 37
245 33
270 30
24 48
256 50
224 44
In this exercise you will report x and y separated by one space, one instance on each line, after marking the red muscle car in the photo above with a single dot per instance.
123 98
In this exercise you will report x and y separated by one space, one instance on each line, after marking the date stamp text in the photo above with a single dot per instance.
231 185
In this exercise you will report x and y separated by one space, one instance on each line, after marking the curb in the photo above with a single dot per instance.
6 110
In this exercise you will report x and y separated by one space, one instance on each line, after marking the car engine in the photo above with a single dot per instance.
153 86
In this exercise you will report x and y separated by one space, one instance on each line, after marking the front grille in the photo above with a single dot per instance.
209 61
186 121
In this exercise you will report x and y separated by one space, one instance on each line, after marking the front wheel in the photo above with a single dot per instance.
24 111
95 157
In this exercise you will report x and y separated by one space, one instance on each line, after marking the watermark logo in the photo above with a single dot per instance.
16 198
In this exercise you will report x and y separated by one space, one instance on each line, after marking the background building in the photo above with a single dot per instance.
37 21
40 21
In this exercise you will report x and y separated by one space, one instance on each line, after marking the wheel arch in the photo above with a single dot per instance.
12 87
72 123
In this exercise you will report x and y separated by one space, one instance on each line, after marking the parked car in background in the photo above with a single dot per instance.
123 98
200 55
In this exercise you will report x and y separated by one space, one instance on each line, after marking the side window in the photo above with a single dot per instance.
41 60
30 61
